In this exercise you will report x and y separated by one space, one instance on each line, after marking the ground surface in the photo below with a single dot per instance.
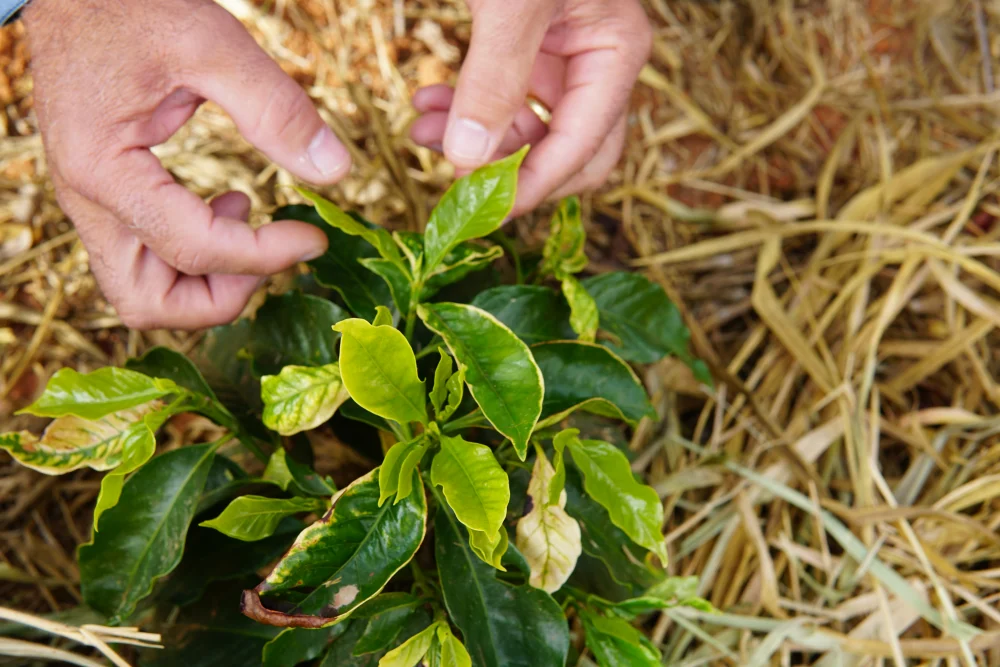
813 182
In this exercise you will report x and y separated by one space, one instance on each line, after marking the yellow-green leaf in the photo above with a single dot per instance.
548 537
331 213
252 518
383 317
583 315
453 651
99 393
410 652
300 398
400 456
565 249
70 443
474 484
490 548
439 394
380 371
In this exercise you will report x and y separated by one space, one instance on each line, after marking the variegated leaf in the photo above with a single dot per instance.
300 398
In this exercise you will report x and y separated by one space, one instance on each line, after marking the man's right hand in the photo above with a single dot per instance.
113 79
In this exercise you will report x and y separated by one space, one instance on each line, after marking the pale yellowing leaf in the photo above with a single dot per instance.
300 398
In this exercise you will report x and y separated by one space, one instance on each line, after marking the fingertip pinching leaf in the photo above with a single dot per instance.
380 371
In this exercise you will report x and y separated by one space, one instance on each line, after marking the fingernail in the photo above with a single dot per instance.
315 253
467 140
326 154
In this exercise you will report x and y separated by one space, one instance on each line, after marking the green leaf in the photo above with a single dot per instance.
294 646
346 558
608 479
646 323
339 268
351 410
547 536
615 643
377 238
490 548
439 394
410 652
583 310
453 651
380 371
383 317
300 398
585 376
70 443
502 625
287 472
210 556
142 538
97 394
138 446
535 313
340 652
401 457
384 622
565 249
501 373
626 562
251 518
463 259
395 278
473 483
224 361
473 207
456 391
294 330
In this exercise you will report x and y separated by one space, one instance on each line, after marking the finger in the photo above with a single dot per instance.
433 98
233 205
598 85
527 128
495 77
269 108
596 172
182 229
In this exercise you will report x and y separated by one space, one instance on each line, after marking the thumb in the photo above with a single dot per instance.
493 83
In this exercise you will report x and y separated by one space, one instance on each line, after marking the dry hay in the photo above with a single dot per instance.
814 182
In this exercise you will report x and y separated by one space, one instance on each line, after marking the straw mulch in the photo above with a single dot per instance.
814 183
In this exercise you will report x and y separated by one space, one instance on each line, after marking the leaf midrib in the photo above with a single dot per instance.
388 377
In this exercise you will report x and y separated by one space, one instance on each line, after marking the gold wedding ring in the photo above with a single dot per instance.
539 109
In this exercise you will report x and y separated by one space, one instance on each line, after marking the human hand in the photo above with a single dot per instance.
579 57
113 79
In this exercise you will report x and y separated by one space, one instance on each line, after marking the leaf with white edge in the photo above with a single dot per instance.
474 484
502 625
331 213
70 443
646 323
536 314
383 317
380 371
547 537
252 518
301 398
395 458
616 643
339 268
453 651
473 207
500 371
608 479
344 559
565 249
585 376
97 394
583 311
288 473
293 329
395 278
142 538
490 548
410 652
439 394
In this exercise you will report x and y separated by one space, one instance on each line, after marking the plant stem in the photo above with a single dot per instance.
474 418
431 348
416 287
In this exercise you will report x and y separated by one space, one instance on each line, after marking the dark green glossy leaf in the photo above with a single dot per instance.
96 394
210 556
500 371
224 361
502 625
565 249
142 538
162 362
535 313
288 473
395 278
297 645
628 563
646 323
346 558
339 268
608 479
351 410
615 643
383 628
251 518
585 376
380 371
473 207
294 329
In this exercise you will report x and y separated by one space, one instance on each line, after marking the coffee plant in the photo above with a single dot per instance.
503 525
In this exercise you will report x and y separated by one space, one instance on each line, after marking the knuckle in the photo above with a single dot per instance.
137 318
187 259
